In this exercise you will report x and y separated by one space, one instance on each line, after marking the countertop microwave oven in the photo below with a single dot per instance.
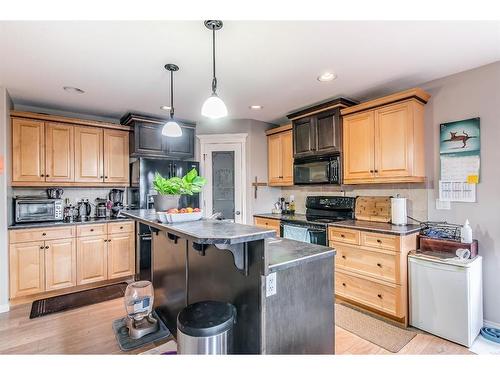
36 209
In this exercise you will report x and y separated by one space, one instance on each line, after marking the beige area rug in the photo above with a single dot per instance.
377 331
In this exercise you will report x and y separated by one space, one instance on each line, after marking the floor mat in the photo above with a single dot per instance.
51 305
377 331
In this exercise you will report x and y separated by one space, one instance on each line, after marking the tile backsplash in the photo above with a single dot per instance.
416 194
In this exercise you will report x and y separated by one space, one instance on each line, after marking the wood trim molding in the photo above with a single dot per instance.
414 93
332 104
282 128
222 138
68 120
383 180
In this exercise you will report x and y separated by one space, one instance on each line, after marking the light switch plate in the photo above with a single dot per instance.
442 205
271 284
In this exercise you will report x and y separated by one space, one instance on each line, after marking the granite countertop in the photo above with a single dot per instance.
285 253
92 220
373 226
204 231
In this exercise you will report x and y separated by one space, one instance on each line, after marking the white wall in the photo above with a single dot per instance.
474 93
5 106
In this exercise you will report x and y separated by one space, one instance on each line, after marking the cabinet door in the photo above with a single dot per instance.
59 153
148 139
60 264
287 158
28 151
274 159
181 147
393 140
359 146
303 137
121 255
88 154
327 132
91 259
26 268
116 156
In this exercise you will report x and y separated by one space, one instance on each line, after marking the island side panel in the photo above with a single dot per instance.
169 278
299 318
215 277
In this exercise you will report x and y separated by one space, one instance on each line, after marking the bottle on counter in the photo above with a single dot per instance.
466 233
291 206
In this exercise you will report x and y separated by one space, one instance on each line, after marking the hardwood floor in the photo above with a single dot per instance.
87 330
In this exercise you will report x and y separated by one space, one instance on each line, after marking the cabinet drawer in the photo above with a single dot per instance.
369 263
348 236
268 224
91 230
41 234
379 241
121 227
381 297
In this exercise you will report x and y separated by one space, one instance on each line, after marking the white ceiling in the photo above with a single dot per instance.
272 63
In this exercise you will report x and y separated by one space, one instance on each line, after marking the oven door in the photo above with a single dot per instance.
303 232
35 210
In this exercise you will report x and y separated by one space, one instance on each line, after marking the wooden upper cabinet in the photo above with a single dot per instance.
121 255
88 154
28 150
116 156
91 259
280 158
60 264
384 139
27 263
327 132
393 140
59 153
359 146
303 138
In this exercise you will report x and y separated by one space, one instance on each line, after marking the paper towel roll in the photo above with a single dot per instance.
398 211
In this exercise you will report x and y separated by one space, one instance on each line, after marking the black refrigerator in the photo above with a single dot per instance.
141 194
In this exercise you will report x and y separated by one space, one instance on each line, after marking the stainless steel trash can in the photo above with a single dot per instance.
206 328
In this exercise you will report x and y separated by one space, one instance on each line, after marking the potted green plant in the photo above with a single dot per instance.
170 189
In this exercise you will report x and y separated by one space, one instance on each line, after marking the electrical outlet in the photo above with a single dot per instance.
271 284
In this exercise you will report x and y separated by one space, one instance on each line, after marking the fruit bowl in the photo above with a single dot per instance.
168 218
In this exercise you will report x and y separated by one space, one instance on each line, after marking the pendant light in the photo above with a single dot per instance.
171 128
214 107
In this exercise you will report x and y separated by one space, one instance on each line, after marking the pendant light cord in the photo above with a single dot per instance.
171 94
214 80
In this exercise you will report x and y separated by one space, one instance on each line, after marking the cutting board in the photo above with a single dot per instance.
373 209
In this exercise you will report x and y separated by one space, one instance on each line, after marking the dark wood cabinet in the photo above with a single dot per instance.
317 130
147 140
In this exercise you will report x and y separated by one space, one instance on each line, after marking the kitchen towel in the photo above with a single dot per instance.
296 233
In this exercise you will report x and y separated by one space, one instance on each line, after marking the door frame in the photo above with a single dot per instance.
211 139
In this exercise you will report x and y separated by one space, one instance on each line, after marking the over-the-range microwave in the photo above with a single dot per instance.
317 170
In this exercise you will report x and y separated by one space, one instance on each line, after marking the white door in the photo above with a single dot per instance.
223 168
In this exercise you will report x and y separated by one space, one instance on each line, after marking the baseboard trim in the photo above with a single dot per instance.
4 308
488 323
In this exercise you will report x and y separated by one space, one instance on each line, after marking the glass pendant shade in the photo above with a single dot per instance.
214 107
171 129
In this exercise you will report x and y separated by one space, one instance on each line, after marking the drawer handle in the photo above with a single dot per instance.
47 175
379 296
121 227
379 240
379 265
44 234
91 229
342 235
343 284
343 256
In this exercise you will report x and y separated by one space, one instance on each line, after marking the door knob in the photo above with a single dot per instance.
237 213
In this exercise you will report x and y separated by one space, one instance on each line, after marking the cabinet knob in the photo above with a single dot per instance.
47 175
379 240
379 296
41 247
109 240
91 229
343 284
42 175
379 265
121 227
280 176
376 170
44 234
343 256
102 177
342 235
46 247
105 177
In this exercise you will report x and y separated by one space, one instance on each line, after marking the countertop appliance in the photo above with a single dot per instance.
36 208
116 197
101 207
446 297
317 170
84 209
141 193
55 193
320 210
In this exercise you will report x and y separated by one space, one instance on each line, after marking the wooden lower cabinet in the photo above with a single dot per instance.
92 259
27 265
121 255
60 264
268 224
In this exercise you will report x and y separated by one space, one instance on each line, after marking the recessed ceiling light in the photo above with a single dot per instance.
326 77
165 107
255 107
73 90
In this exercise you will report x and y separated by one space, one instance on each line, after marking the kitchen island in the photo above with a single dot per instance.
282 289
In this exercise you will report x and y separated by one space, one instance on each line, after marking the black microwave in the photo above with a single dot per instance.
317 170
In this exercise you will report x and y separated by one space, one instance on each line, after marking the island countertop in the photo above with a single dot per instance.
210 232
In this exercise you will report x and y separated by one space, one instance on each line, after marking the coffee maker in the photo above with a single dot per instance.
116 197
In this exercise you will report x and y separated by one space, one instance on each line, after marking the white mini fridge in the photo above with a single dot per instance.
446 297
